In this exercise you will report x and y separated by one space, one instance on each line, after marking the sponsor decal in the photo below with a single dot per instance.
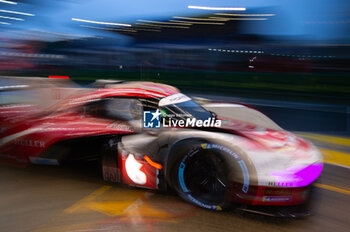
45 161
110 170
111 174
30 143
280 184
276 199
278 192
120 126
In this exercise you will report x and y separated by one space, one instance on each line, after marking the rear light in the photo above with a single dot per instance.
132 167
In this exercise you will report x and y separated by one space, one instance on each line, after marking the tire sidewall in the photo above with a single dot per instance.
183 152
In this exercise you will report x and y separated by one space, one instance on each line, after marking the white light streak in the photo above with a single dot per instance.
145 29
160 25
251 15
109 29
236 51
62 34
157 22
248 19
13 18
8 2
206 23
217 8
17 12
13 86
103 23
202 19
4 23
231 19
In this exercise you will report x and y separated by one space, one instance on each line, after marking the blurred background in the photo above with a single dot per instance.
290 59
289 46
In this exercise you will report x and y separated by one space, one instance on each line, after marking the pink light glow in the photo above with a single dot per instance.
298 176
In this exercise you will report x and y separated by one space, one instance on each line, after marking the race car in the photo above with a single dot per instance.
213 154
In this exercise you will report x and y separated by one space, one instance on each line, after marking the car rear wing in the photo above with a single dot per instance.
16 83
43 92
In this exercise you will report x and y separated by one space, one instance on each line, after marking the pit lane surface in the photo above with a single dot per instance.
74 198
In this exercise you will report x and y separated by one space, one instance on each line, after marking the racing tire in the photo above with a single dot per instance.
200 175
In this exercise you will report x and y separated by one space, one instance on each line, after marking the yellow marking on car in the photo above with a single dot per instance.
88 198
335 157
333 188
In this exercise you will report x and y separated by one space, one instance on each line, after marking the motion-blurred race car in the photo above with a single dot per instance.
213 154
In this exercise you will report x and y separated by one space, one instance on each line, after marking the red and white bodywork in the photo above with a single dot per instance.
277 166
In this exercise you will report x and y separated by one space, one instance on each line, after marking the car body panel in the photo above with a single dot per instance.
270 159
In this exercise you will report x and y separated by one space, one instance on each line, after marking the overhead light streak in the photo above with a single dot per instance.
13 18
235 51
8 2
109 29
201 19
103 23
161 25
207 23
14 86
146 29
249 15
5 23
230 19
150 27
17 12
145 25
217 8
61 34
220 19
157 22
248 19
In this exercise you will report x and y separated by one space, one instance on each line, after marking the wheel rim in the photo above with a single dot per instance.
203 176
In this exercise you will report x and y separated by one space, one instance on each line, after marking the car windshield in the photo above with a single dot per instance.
180 106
